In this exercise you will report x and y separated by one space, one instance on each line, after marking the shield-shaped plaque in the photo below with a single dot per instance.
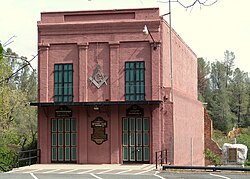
99 136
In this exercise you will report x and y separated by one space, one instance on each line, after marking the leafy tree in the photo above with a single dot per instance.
5 91
229 64
221 114
18 125
218 75
4 68
203 81
26 123
239 95
1 51
246 117
219 103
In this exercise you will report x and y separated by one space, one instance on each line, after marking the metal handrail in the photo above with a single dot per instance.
21 157
162 157
213 168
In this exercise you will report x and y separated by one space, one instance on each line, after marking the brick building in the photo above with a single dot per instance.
105 89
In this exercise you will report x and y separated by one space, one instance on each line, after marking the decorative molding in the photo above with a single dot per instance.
114 44
130 26
83 45
43 46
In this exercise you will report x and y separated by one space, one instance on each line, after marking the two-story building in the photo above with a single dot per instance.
108 93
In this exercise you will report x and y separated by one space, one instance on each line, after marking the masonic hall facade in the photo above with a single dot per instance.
108 93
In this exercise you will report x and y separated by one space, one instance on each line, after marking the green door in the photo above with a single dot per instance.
63 137
135 140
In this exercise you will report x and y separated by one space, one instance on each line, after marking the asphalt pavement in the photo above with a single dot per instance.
111 171
102 171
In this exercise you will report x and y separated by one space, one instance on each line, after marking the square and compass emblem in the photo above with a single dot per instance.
98 78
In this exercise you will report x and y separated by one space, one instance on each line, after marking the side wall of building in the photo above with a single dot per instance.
188 118
188 131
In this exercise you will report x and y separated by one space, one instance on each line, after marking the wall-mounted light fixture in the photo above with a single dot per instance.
146 32
96 108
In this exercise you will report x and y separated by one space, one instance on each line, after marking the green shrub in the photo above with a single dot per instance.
247 163
211 156
8 158
244 138
220 137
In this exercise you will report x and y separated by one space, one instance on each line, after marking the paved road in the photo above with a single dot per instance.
155 175
75 176
111 172
205 175
83 171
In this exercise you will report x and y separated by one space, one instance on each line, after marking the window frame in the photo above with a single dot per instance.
63 82
134 81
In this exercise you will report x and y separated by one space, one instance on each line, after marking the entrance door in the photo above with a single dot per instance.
63 137
135 132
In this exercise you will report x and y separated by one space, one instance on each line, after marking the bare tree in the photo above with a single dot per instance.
193 3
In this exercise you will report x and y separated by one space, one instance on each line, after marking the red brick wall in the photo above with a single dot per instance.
209 142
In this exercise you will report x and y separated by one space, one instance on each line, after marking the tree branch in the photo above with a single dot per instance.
202 3
14 73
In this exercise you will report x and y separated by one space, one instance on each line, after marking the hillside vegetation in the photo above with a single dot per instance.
225 89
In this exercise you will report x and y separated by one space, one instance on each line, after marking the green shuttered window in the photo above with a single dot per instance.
63 82
134 81
63 138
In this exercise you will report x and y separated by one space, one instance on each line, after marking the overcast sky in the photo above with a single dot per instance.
209 31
